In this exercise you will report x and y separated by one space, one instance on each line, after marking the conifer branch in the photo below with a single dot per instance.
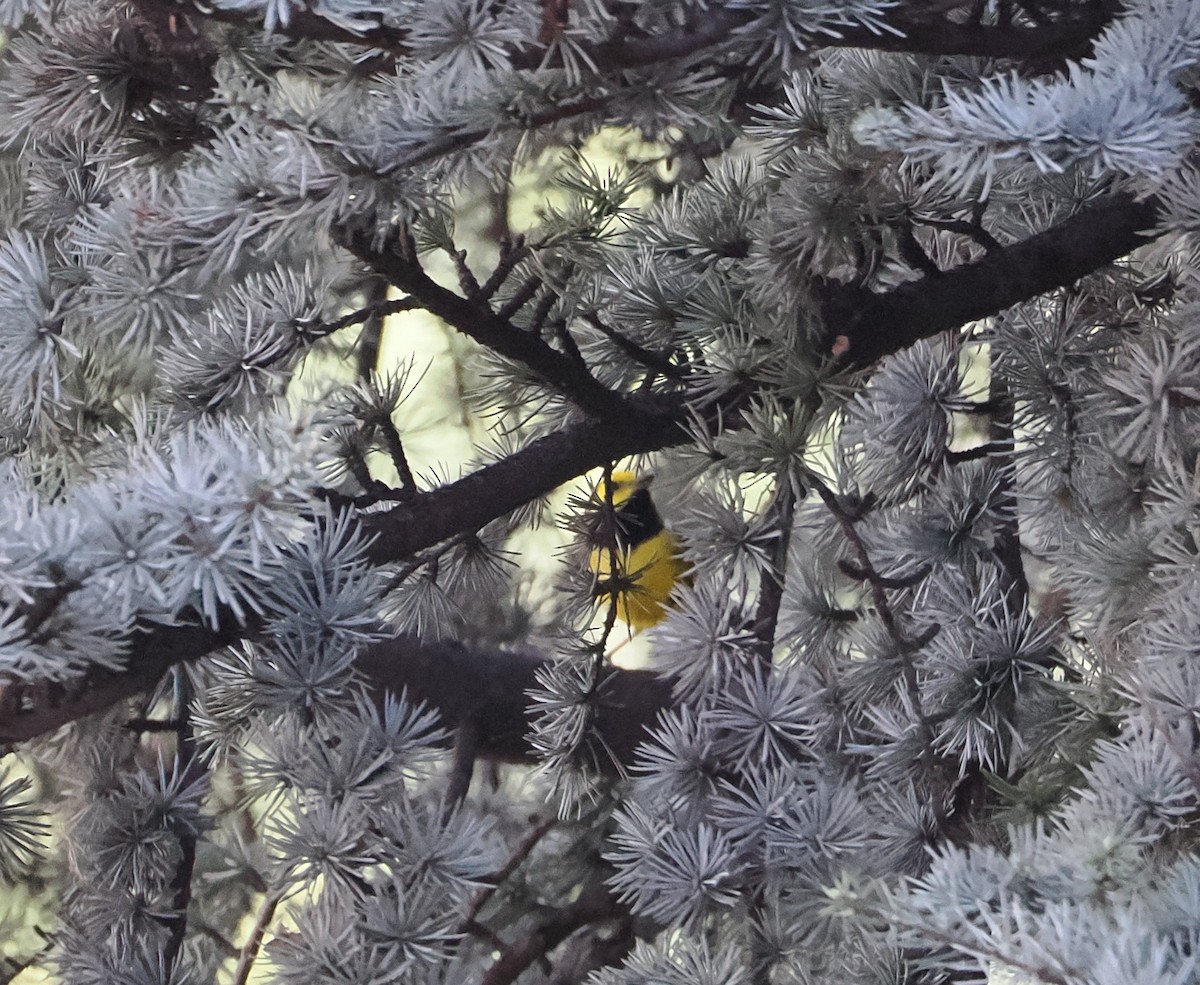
874 325
910 26
594 904
476 320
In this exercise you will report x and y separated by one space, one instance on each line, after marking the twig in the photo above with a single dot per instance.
541 311
766 620
912 252
521 297
371 336
484 932
223 944
376 310
616 577
511 864
14 967
1008 537
904 645
989 449
640 354
250 949
770 596
594 904
395 449
424 558
47 600
512 252
189 768
356 461
466 748
895 582
466 277
489 328
972 229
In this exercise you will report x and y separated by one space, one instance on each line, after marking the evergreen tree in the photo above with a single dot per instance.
910 332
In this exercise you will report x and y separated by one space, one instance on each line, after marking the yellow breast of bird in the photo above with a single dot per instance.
650 571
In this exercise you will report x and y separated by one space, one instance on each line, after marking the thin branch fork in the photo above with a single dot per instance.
479 322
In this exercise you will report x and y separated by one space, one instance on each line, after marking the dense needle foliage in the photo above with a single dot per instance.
906 319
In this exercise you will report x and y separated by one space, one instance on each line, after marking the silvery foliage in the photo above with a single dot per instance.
791 813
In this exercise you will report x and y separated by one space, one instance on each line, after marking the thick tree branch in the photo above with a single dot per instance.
873 325
495 703
864 326
30 710
916 29
483 690
911 26
647 424
1045 47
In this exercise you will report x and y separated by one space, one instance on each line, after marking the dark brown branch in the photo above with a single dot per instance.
374 316
874 578
766 617
520 297
519 855
462 769
46 602
249 951
376 310
640 354
875 325
595 904
1008 535
189 769
512 251
495 705
466 277
395 449
975 453
648 424
10 968
1045 46
457 140
905 645
972 228
479 322
600 948
29 710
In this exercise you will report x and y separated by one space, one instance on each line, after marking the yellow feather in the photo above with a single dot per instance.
647 572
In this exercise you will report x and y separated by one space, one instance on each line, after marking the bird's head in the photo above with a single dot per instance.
624 485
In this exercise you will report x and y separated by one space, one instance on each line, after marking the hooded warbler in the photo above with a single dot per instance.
648 565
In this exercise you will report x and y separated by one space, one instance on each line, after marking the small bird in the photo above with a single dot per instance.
648 565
